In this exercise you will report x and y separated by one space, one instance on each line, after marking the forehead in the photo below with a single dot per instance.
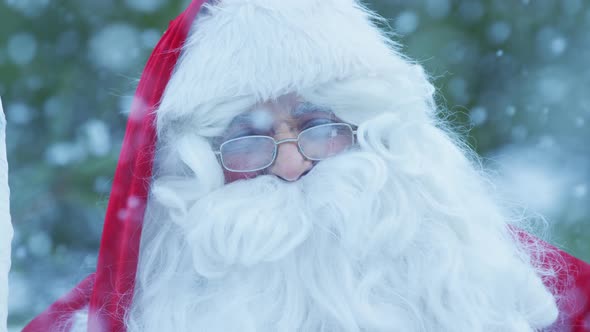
286 108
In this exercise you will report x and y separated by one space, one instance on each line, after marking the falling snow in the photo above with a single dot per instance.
98 139
438 8
499 32
22 48
30 8
64 153
146 6
115 47
406 23
478 116
19 113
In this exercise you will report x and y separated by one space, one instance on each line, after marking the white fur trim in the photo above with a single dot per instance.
6 230
257 50
80 321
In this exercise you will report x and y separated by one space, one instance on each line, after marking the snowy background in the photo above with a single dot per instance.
513 73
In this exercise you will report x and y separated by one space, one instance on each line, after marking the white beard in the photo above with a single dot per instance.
367 241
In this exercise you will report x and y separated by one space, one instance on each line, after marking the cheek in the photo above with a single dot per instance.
234 176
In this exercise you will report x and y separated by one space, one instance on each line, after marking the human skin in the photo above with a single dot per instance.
287 120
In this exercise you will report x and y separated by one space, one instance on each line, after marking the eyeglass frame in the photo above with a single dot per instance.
279 142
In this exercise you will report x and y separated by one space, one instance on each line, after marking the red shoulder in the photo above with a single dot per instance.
574 297
570 285
58 317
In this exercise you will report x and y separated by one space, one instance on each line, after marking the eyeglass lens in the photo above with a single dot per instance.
252 153
248 153
324 141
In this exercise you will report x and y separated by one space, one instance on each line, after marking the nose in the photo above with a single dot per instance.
290 164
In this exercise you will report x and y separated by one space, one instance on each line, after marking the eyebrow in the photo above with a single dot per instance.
239 123
307 107
302 109
243 117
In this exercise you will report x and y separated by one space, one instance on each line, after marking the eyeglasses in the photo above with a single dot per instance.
257 152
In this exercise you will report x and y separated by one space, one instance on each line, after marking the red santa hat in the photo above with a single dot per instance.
262 49
108 292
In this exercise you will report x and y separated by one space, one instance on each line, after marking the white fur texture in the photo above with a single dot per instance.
400 234
261 49
79 321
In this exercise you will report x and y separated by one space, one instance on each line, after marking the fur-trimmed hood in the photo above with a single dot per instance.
258 50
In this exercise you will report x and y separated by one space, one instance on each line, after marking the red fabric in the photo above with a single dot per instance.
108 292
574 288
57 316
572 285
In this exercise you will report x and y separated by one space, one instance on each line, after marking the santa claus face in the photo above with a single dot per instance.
396 234
380 238
285 138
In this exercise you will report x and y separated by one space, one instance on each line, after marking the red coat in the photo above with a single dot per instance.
108 292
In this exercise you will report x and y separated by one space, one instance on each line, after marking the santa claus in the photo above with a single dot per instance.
285 169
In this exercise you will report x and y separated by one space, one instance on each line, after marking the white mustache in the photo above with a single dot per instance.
263 219
245 223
